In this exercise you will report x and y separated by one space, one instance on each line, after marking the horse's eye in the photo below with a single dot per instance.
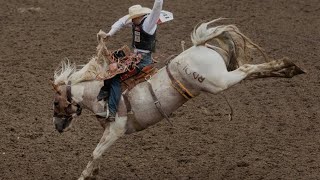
56 103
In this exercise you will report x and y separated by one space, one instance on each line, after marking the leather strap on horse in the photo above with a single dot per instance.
69 96
178 85
157 103
135 123
69 99
126 101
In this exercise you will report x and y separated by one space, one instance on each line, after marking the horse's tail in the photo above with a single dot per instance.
229 39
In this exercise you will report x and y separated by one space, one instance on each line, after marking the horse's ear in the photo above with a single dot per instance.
55 87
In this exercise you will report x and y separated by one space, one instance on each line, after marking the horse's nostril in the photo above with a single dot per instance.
79 110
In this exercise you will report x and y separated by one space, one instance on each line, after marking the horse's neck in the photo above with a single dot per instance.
86 93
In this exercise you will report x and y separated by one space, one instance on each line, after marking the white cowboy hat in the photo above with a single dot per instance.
137 11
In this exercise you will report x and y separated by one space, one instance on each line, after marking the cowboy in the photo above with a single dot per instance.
143 22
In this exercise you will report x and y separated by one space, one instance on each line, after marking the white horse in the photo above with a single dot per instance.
201 68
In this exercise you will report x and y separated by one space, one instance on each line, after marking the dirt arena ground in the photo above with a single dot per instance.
274 134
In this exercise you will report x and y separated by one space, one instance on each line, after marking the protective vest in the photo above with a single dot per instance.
141 39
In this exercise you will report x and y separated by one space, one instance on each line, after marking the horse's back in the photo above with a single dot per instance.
202 57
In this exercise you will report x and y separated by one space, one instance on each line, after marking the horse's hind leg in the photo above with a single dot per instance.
286 72
228 79
276 68
112 132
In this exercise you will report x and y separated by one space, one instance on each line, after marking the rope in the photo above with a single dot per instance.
231 110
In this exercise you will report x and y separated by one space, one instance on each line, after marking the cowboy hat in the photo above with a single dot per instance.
137 11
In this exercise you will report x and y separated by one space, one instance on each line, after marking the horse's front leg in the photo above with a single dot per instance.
112 132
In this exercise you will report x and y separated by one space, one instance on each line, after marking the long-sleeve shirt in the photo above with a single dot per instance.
149 25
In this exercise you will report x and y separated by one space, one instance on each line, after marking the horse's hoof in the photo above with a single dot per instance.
292 71
287 62
96 171
298 70
90 178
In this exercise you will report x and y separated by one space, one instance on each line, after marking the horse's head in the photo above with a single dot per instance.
64 107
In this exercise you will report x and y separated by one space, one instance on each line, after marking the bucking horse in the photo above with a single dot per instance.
203 67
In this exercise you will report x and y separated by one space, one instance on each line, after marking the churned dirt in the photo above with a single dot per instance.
274 133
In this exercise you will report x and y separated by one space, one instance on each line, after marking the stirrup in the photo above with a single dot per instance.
111 117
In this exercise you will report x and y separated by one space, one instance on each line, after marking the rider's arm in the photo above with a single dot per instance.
150 24
122 22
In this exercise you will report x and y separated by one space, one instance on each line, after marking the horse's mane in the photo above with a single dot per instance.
230 39
68 71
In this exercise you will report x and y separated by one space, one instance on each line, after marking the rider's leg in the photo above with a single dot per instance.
104 91
115 94
115 83
145 61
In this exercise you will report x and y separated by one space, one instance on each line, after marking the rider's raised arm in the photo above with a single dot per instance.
150 24
122 22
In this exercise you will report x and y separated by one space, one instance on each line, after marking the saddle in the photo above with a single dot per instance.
127 68
131 78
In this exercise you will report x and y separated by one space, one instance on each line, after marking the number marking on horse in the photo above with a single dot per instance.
195 75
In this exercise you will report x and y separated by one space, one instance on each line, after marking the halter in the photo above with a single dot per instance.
69 99
70 102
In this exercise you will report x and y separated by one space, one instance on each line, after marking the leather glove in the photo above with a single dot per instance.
103 35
